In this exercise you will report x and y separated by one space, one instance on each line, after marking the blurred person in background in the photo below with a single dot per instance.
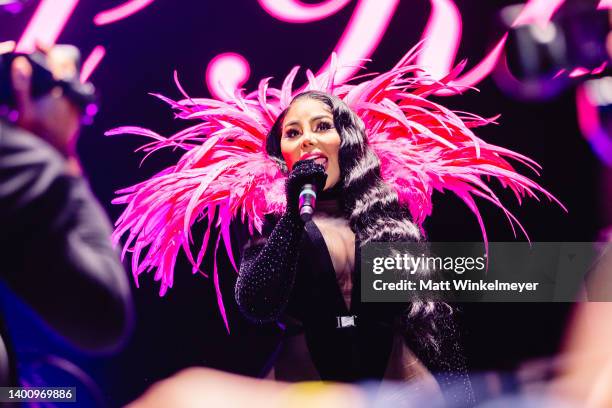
54 236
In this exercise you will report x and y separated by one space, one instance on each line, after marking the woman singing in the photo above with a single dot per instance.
311 270
375 150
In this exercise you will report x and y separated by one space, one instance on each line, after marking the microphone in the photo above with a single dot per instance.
307 201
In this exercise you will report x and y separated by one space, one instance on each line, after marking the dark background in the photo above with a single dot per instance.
184 328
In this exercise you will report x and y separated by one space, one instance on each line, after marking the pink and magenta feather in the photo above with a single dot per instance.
224 171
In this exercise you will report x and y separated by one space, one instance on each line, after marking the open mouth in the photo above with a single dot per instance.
318 158
322 161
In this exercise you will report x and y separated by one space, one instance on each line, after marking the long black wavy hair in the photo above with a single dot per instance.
371 206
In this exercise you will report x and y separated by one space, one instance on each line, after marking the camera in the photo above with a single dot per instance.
83 95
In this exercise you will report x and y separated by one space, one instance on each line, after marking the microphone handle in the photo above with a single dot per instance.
307 201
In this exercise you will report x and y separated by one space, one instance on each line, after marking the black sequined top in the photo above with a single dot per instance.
289 271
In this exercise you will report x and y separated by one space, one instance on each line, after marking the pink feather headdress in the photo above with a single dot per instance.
422 146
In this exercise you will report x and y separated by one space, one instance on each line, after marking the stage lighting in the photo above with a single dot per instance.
12 6
542 59
594 105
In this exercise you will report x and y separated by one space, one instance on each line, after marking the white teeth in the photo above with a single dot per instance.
321 160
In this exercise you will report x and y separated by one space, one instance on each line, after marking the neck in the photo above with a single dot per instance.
330 201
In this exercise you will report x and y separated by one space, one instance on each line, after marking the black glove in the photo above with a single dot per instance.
267 270
303 172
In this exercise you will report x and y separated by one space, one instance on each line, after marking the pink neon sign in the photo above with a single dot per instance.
120 12
480 71
441 39
441 36
604 5
359 40
293 11
51 17
362 35
46 25
226 73
91 62
364 31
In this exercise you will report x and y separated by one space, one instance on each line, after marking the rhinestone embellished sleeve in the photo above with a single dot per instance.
267 271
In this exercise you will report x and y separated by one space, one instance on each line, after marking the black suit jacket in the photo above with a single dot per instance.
55 248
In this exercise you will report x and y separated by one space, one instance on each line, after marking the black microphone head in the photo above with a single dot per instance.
306 213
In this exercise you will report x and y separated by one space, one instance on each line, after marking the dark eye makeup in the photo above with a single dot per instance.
322 126
290 133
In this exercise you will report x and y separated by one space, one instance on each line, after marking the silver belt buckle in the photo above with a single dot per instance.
346 321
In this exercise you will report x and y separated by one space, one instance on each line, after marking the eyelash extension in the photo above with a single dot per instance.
328 126
290 133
